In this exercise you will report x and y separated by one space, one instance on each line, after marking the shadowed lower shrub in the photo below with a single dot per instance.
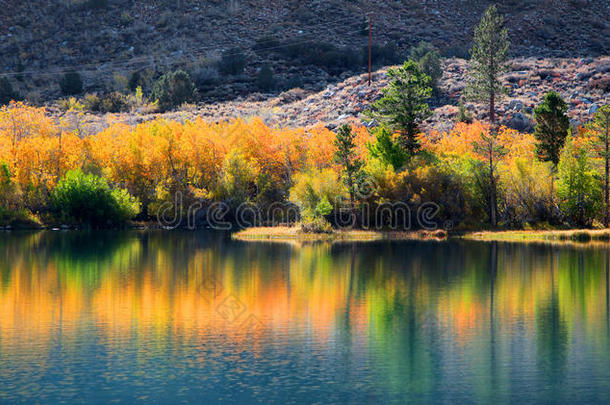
89 200
6 91
71 84
173 89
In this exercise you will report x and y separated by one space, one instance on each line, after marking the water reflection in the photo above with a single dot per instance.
195 316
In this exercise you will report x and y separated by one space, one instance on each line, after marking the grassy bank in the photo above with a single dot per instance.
576 235
283 233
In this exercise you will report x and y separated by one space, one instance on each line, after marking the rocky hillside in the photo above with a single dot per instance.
583 82
107 40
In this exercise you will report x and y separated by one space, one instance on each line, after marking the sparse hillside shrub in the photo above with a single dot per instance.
88 199
429 61
266 44
7 94
71 84
322 54
173 89
463 114
381 55
205 76
294 82
603 84
96 4
233 62
457 51
139 79
264 79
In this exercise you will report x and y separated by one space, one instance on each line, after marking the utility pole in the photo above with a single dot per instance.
370 46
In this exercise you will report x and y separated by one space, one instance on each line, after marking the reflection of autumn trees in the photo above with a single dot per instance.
157 279
415 306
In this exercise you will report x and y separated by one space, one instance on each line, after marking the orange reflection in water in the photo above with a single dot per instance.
146 285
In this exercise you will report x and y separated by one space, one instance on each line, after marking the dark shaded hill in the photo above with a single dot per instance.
307 42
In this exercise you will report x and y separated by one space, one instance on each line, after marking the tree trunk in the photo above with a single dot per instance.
492 191
350 184
492 110
607 189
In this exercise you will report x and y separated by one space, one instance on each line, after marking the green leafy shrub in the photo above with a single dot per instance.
577 184
387 149
108 103
313 189
239 177
88 199
10 194
173 89
71 84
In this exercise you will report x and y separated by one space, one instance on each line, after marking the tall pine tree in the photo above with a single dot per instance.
488 61
404 104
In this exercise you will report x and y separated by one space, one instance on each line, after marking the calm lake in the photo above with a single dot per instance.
195 317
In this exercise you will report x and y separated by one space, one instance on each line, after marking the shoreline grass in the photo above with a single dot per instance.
284 233
572 235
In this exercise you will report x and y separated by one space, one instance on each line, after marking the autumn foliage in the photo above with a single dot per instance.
241 161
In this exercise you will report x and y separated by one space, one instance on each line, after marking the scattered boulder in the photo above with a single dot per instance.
516 105
521 123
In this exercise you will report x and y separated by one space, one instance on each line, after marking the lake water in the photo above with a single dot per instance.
169 317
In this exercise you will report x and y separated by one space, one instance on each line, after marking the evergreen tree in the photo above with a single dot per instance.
488 61
404 104
601 127
552 125
345 155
